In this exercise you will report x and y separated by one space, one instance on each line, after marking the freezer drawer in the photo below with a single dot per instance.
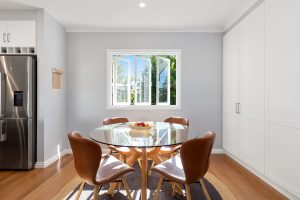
16 146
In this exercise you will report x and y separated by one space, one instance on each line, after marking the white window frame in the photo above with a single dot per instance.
111 52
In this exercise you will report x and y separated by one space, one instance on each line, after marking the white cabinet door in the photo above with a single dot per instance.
283 64
230 89
251 40
3 28
21 33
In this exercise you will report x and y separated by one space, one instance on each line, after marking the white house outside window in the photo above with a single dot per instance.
143 79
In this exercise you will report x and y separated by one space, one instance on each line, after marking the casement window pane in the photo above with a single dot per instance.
122 94
121 80
143 80
163 80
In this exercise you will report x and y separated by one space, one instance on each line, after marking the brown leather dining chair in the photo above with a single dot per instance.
95 169
168 151
123 151
188 167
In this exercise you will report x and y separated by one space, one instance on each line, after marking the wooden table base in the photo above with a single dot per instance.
144 155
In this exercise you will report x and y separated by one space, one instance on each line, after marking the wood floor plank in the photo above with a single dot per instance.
46 183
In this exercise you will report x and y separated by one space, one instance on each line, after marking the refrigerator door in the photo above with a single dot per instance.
18 72
18 112
14 148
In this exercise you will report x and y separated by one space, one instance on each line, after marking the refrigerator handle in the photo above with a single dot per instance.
3 131
30 88
2 94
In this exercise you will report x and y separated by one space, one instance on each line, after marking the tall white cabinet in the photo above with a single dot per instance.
244 90
261 93
283 65
230 92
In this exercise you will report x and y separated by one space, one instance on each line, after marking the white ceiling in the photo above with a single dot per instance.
126 15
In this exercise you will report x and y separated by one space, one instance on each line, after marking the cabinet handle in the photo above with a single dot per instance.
239 111
236 108
8 37
4 37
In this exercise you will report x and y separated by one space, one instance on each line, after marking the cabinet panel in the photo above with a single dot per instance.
251 79
251 143
283 157
21 33
251 40
283 64
3 28
230 134
230 73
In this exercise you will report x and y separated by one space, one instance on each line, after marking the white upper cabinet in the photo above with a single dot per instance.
230 91
251 78
18 33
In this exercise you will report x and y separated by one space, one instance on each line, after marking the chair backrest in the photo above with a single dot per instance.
87 156
195 156
115 120
178 120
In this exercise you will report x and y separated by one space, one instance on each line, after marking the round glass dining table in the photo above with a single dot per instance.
143 144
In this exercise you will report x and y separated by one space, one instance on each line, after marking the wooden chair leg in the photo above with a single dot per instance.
140 163
150 171
187 192
124 158
161 180
80 190
126 188
204 189
178 188
173 189
96 192
119 186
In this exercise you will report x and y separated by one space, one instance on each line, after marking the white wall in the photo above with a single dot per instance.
201 78
51 103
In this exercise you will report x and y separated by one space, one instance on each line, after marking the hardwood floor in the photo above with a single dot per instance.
45 183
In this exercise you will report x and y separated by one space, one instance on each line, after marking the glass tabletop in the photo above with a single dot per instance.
123 135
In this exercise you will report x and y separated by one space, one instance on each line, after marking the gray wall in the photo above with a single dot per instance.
200 86
52 123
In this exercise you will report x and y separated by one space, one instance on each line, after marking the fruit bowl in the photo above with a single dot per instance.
140 133
141 126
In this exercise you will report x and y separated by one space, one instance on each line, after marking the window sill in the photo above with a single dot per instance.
144 107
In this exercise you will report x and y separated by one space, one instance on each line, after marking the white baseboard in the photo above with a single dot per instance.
52 159
277 187
217 151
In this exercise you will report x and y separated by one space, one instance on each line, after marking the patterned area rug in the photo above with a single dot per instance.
216 189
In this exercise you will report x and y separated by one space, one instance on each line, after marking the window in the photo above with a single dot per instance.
143 79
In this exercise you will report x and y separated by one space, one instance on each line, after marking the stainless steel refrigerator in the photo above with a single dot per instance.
17 111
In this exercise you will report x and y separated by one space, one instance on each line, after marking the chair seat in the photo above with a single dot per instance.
111 169
120 150
172 169
168 150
